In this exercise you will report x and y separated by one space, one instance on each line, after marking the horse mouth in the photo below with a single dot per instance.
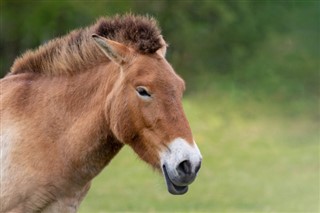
173 188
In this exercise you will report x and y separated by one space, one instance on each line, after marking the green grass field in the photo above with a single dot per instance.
257 157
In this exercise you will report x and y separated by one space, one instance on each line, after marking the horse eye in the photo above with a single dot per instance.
143 92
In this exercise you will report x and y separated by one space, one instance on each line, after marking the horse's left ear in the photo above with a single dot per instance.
115 51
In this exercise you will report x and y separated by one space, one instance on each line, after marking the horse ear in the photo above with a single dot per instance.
162 51
113 50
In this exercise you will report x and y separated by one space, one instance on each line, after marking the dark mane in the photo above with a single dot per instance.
76 51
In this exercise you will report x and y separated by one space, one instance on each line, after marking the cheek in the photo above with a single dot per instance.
126 119
149 114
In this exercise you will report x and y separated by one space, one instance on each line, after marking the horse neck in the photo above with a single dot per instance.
90 143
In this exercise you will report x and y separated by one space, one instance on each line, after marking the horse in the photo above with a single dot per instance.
69 106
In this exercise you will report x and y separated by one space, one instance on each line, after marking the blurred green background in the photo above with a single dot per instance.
252 72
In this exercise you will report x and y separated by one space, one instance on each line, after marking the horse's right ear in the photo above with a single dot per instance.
163 50
115 51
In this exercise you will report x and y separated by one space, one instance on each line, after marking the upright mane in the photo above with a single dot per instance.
76 51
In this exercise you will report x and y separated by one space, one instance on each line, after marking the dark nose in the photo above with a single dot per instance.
186 173
185 168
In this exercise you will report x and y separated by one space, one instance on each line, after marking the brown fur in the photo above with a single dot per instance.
76 52
66 110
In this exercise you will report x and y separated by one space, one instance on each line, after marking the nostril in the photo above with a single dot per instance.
198 167
184 168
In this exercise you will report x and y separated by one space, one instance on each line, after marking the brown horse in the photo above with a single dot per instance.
68 107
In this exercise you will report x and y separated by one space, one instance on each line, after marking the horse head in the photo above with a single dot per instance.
144 110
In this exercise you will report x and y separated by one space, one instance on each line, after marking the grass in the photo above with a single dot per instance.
257 158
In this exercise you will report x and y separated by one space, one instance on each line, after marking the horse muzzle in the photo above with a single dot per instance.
181 163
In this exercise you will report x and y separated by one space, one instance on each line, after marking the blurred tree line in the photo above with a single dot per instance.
270 47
